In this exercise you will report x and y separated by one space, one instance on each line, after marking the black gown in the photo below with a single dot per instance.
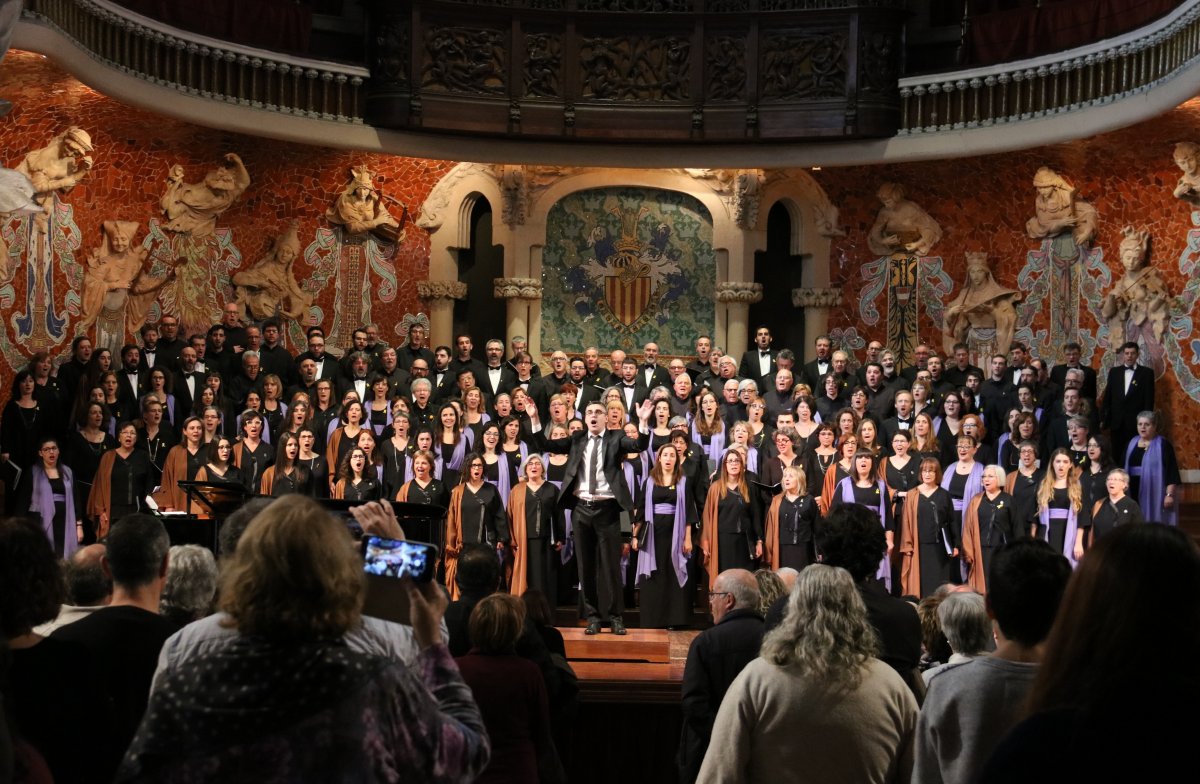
83 457
796 524
1024 494
1057 535
998 525
1109 516
662 600
318 476
900 481
58 491
543 528
129 484
934 532
366 489
739 527
482 515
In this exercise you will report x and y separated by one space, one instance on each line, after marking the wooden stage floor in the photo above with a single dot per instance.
644 666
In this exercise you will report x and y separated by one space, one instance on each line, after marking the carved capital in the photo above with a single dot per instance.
739 291
441 289
816 298
518 288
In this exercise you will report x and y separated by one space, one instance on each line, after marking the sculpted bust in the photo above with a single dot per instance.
1138 299
193 207
982 304
269 287
359 208
1187 158
57 168
901 225
1058 211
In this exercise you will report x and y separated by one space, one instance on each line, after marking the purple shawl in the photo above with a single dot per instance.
1072 528
646 556
716 444
973 487
456 457
43 505
568 548
170 407
846 490
1152 488
504 481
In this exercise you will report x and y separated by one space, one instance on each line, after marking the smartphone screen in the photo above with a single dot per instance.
397 558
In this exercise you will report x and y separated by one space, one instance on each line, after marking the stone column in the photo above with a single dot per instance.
524 303
816 303
737 296
440 296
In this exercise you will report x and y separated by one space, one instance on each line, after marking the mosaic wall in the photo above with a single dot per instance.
134 153
624 266
983 203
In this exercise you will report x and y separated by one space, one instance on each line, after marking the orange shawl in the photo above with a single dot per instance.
709 540
971 547
829 487
100 498
169 494
771 533
453 538
516 530
266 484
910 550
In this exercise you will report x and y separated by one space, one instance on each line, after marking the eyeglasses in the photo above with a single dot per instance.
713 594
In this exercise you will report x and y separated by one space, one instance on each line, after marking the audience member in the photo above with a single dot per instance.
715 658
963 618
342 716
817 704
191 584
1114 659
969 708
511 695
89 588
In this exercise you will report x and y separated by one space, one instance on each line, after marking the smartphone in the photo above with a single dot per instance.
399 558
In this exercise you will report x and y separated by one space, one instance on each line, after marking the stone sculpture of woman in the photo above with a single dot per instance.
1139 299
269 287
359 208
902 225
983 305
1058 211
193 207
1187 158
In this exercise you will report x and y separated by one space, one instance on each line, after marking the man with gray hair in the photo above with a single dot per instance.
191 584
123 639
715 658
964 620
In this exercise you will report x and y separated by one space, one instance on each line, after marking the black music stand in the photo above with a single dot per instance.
421 522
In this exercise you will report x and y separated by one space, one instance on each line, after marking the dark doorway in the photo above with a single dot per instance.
779 272
480 314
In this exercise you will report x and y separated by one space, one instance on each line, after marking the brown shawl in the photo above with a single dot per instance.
454 541
516 530
910 550
709 540
169 494
100 498
972 550
771 534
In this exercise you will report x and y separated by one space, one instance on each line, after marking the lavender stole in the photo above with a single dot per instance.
170 409
716 444
973 487
1000 442
752 459
568 548
846 490
43 504
1045 516
646 556
1152 488
456 457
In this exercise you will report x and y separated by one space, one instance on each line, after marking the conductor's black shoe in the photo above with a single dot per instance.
593 627
618 626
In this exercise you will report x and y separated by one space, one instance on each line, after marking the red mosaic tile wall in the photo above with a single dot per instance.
982 204
134 150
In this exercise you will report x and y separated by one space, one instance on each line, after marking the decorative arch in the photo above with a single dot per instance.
525 194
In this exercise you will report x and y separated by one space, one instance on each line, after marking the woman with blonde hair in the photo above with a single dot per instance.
818 678
535 523
791 520
350 714
989 523
731 536
1063 514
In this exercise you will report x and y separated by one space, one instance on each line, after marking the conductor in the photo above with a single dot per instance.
594 488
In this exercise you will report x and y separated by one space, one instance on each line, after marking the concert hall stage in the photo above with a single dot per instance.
629 693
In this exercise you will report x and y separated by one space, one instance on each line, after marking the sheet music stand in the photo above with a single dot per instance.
215 501
421 522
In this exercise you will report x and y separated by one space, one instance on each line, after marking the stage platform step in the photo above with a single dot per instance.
647 646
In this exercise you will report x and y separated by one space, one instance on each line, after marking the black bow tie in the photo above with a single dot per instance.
148 351
764 353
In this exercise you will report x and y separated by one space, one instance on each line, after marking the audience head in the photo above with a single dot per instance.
537 607
964 620
1025 586
933 640
136 551
31 585
88 585
235 525
295 575
734 589
825 631
852 538
496 623
191 584
478 571
770 588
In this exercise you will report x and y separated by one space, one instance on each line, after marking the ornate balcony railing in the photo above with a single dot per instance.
1089 76
195 65
637 70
